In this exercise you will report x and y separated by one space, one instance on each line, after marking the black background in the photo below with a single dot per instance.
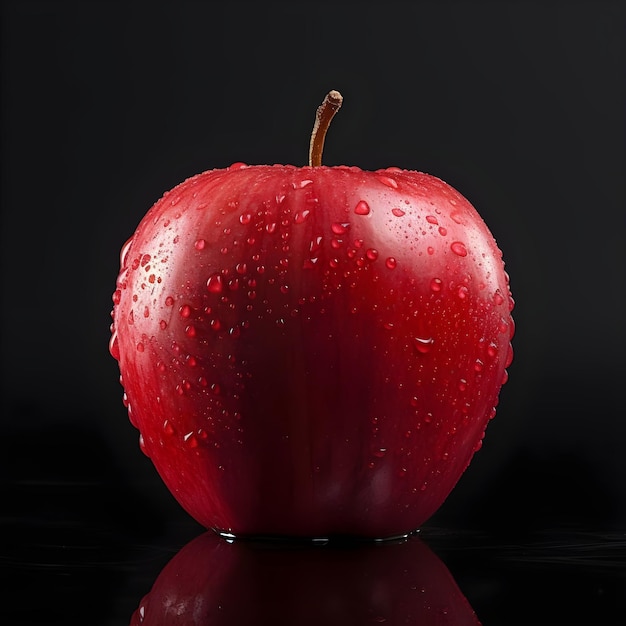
519 105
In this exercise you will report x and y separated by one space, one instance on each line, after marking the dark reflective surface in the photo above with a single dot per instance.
214 581
82 553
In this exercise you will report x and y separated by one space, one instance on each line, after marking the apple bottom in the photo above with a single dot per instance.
249 493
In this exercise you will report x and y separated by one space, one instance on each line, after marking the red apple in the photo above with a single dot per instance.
312 350
215 583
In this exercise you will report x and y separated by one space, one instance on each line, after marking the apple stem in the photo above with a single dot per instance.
325 113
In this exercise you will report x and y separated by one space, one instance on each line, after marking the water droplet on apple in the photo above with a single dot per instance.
430 250
462 292
362 208
315 244
214 283
142 445
379 452
190 440
215 324
387 180
301 216
185 311
237 166
190 331
371 254
302 184
117 296
168 429
431 219
391 263
340 228
114 346
140 347
397 212
124 252
182 387
423 345
498 298
200 244
436 285
169 301
443 231
458 248
478 366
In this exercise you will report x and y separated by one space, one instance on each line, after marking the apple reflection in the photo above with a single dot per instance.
213 581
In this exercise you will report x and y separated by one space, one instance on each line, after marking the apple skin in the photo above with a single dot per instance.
311 351
216 583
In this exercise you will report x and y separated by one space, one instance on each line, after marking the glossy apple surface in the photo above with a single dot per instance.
215 583
312 351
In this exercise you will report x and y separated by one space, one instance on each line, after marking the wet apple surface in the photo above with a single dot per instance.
312 351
